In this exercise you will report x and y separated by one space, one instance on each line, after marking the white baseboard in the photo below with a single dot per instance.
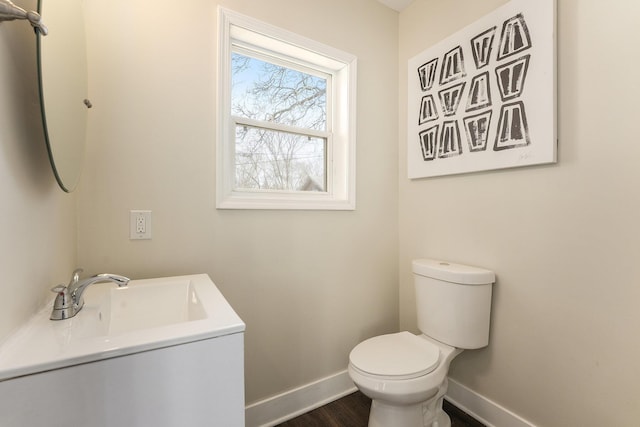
484 410
290 404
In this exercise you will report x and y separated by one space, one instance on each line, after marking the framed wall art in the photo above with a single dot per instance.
485 97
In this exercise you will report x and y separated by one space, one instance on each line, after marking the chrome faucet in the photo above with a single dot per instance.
69 300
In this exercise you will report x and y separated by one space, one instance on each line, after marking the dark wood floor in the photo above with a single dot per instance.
353 411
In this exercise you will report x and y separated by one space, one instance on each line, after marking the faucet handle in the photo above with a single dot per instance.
58 288
63 299
75 277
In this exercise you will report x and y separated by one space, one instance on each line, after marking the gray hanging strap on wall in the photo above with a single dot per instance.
9 12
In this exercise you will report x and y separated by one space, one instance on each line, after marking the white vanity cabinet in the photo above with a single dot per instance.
195 382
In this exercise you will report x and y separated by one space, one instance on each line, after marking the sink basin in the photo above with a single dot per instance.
152 304
143 304
147 314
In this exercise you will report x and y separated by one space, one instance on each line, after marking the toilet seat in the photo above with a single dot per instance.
397 356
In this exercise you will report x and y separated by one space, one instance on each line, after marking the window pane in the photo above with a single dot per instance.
272 160
273 93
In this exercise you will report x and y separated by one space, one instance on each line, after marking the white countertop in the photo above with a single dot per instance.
43 344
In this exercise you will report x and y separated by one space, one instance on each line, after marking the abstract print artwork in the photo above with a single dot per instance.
485 97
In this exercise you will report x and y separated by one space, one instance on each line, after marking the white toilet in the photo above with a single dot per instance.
404 374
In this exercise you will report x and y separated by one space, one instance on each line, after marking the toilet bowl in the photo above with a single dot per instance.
404 374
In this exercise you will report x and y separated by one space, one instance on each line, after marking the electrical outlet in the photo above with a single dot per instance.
139 225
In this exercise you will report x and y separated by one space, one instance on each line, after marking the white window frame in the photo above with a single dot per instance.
248 33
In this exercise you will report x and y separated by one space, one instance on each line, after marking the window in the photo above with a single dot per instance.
280 118
286 129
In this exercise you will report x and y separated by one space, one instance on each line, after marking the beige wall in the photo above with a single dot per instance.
563 239
309 285
37 220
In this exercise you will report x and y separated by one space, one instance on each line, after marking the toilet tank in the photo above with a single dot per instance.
453 302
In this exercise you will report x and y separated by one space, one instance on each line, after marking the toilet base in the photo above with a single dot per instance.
424 414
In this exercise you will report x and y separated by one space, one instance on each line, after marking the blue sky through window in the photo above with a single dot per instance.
269 92
292 158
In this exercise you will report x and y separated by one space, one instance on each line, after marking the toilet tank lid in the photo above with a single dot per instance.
454 273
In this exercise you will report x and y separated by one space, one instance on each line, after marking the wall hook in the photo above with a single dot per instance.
9 12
